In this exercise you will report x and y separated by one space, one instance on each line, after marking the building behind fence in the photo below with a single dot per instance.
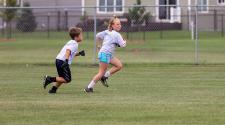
157 17
172 18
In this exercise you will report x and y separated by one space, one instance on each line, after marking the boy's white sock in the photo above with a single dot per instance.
107 74
91 84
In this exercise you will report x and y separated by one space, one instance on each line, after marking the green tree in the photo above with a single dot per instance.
9 14
26 21
138 14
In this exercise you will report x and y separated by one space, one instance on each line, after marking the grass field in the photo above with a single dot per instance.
159 84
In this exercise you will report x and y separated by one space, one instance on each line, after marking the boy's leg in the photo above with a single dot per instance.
64 76
48 80
57 84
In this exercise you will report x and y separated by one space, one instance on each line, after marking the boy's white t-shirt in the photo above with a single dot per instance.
110 40
72 45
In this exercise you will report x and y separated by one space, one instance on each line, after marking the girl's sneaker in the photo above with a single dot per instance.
104 81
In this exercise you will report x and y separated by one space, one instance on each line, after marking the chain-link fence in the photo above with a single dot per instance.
158 34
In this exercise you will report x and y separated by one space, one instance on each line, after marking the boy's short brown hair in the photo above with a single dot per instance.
74 32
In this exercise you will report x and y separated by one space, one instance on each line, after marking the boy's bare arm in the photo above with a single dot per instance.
65 64
68 51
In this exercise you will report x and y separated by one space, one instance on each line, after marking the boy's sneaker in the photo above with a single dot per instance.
104 81
47 81
88 90
52 91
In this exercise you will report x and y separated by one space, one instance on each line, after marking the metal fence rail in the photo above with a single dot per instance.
160 25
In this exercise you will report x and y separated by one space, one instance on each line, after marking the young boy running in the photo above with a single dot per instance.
111 39
64 59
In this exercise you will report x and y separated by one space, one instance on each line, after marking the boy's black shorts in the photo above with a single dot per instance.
63 72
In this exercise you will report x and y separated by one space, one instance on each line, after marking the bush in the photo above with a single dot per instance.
138 15
26 20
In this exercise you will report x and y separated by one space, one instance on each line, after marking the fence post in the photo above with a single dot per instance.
127 31
3 28
9 30
48 25
86 27
95 31
222 26
188 20
58 21
196 36
127 34
215 20
161 30
144 35
66 19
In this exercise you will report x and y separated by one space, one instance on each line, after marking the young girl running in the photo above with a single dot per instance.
111 39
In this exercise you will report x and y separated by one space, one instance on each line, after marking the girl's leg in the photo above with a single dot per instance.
101 71
97 77
117 66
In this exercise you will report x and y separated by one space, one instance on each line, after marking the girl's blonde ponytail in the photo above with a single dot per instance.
111 22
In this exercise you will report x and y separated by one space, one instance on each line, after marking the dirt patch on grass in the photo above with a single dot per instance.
136 41
7 40
136 50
